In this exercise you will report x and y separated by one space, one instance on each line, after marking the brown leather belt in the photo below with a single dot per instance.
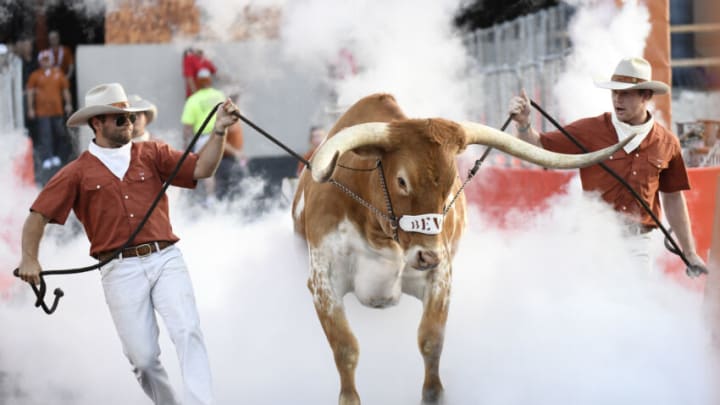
136 251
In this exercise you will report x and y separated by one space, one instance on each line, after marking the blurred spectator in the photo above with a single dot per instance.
196 109
317 135
204 63
194 60
189 64
143 118
47 88
233 164
62 55
24 50
344 66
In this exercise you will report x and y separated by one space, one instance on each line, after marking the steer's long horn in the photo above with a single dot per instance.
327 154
484 135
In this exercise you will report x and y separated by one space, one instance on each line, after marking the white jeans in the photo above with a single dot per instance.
137 287
639 247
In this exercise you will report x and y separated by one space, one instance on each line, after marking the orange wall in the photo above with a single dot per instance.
657 52
712 286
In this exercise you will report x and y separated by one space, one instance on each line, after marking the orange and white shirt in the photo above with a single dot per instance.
111 208
655 165
47 86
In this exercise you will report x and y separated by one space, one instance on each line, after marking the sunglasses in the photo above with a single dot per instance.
121 120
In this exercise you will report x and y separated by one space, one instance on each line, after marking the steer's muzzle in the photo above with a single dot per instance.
425 260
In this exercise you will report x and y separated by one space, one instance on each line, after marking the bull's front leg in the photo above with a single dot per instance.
330 310
431 332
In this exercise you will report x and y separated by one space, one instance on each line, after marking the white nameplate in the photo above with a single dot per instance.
430 224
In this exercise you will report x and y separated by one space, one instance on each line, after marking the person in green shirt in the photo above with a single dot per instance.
196 109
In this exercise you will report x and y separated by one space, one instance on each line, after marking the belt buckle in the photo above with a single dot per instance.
139 248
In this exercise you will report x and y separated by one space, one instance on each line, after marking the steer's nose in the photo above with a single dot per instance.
427 259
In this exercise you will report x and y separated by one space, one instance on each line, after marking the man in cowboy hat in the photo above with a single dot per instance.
110 188
147 112
651 163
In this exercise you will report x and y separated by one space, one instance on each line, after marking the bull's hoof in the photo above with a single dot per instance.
349 398
433 397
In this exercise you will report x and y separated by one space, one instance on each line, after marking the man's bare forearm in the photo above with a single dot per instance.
32 233
677 215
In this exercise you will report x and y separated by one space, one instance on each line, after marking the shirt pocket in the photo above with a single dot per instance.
141 177
656 164
96 187
143 183
98 194
651 169
617 160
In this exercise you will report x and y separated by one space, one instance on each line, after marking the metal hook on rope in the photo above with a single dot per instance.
40 293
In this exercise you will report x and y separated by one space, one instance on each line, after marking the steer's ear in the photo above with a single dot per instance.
323 169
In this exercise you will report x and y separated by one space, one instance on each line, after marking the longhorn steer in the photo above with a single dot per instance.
354 248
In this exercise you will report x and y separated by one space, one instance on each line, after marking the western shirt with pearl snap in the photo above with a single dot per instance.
655 165
109 208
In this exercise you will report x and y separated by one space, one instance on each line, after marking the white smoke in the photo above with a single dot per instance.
601 34
548 313
406 47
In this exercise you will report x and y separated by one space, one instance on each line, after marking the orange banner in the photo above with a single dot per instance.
657 52
712 286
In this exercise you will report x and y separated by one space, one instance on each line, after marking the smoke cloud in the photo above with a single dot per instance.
601 34
547 313
551 312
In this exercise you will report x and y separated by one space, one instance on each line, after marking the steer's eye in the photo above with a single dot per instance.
401 183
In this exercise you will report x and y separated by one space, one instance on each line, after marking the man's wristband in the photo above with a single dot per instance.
524 128
219 133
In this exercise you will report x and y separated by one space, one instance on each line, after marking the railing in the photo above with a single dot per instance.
11 94
530 52
692 29
527 52
699 141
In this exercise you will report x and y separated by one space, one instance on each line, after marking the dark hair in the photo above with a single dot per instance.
100 117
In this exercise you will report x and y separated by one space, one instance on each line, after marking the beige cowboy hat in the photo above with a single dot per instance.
145 106
107 98
633 74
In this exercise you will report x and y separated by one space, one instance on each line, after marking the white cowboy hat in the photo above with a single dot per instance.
102 99
634 74
145 106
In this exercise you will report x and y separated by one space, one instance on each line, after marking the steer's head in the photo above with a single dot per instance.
418 158
418 162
